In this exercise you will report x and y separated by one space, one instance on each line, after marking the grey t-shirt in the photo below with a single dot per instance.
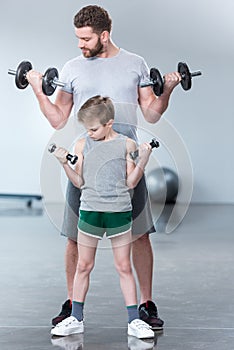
104 173
117 77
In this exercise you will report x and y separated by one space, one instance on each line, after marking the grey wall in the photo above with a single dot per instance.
164 32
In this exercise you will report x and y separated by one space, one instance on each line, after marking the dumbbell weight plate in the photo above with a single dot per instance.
47 84
20 77
184 71
157 80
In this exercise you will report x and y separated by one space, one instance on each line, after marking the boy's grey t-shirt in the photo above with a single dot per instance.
104 174
117 77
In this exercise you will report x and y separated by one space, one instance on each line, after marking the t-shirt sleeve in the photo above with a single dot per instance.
65 78
144 72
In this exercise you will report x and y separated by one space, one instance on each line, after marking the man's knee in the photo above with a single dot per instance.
141 240
71 251
71 244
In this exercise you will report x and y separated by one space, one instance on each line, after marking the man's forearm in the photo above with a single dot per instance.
51 111
152 106
156 108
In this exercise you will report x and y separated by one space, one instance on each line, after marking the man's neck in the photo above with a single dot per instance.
109 51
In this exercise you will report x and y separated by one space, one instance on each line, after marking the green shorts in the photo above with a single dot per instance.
97 223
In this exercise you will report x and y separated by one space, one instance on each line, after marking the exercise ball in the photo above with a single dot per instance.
162 185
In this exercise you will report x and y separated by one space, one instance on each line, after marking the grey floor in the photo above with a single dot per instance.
193 285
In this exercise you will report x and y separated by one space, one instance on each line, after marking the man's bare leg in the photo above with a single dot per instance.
71 258
142 257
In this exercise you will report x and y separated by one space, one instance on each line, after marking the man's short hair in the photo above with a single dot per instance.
93 16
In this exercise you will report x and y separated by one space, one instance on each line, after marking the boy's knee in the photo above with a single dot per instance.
123 267
84 266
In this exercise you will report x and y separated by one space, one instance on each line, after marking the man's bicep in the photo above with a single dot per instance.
145 96
64 101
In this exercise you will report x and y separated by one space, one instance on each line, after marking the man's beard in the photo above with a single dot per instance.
95 51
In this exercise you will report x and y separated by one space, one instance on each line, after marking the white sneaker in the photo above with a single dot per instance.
68 326
140 329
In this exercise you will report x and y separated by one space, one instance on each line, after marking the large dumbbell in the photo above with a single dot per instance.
154 144
72 158
49 82
157 82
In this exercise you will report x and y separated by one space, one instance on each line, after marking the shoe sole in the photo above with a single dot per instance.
156 328
69 332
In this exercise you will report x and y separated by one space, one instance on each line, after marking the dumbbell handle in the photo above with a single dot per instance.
194 74
72 158
149 83
154 144
12 71
54 81
152 82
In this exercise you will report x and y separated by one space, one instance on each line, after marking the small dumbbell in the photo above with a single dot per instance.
49 81
154 144
72 158
157 82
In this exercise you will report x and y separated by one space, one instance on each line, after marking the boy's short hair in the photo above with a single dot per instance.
95 17
98 107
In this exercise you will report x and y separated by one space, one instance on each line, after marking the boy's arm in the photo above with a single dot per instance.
74 175
136 171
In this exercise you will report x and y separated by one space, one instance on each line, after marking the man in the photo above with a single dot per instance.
105 69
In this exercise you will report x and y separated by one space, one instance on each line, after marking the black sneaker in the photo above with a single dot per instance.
148 312
65 312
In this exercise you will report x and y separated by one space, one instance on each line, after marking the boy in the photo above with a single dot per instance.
105 173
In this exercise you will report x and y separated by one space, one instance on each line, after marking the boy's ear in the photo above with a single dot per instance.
110 122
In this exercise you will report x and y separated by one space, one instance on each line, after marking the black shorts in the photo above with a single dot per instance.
141 211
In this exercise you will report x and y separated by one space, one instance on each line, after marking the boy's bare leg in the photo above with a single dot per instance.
121 246
87 247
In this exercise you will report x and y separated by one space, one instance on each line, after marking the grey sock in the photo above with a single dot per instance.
77 310
132 313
